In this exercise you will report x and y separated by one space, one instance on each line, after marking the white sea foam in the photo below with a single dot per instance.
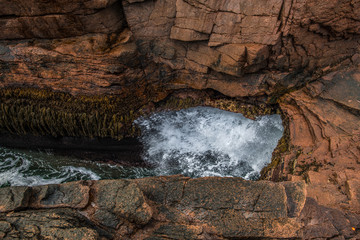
195 142
205 141
31 169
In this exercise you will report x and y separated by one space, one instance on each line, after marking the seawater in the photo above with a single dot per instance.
31 168
195 142
204 141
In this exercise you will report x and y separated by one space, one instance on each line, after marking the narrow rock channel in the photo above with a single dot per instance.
76 74
195 142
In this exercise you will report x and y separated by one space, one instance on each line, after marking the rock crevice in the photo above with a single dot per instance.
302 55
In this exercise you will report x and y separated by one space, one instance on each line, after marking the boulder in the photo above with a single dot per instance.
121 199
173 207
73 195
51 224
14 198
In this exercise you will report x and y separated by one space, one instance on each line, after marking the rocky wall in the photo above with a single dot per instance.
240 48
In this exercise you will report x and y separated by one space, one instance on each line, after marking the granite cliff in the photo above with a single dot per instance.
298 57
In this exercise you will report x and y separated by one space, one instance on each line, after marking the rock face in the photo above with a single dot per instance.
170 208
302 56
239 37
240 48
324 132
58 19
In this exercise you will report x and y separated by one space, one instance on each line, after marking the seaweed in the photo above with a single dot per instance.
281 149
232 105
45 112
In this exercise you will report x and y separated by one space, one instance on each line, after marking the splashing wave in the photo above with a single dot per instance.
204 141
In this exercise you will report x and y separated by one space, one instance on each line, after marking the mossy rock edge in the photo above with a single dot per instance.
44 112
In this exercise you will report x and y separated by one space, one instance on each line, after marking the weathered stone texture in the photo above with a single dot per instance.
238 38
296 197
93 62
324 131
50 224
173 207
34 7
34 19
322 222
123 199
74 195
14 198
292 30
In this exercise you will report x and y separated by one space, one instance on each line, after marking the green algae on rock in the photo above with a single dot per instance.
49 113
46 113
250 109
271 171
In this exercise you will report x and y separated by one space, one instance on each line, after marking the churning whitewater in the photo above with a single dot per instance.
204 141
195 142
32 168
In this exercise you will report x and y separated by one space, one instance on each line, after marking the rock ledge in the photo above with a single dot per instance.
173 207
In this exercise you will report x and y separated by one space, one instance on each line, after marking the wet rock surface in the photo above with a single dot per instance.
172 207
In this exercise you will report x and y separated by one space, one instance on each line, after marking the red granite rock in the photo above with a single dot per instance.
301 55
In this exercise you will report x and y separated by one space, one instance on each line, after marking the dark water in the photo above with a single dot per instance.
195 142
30 168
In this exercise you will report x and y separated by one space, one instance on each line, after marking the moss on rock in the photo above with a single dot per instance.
283 147
227 104
43 112
46 112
